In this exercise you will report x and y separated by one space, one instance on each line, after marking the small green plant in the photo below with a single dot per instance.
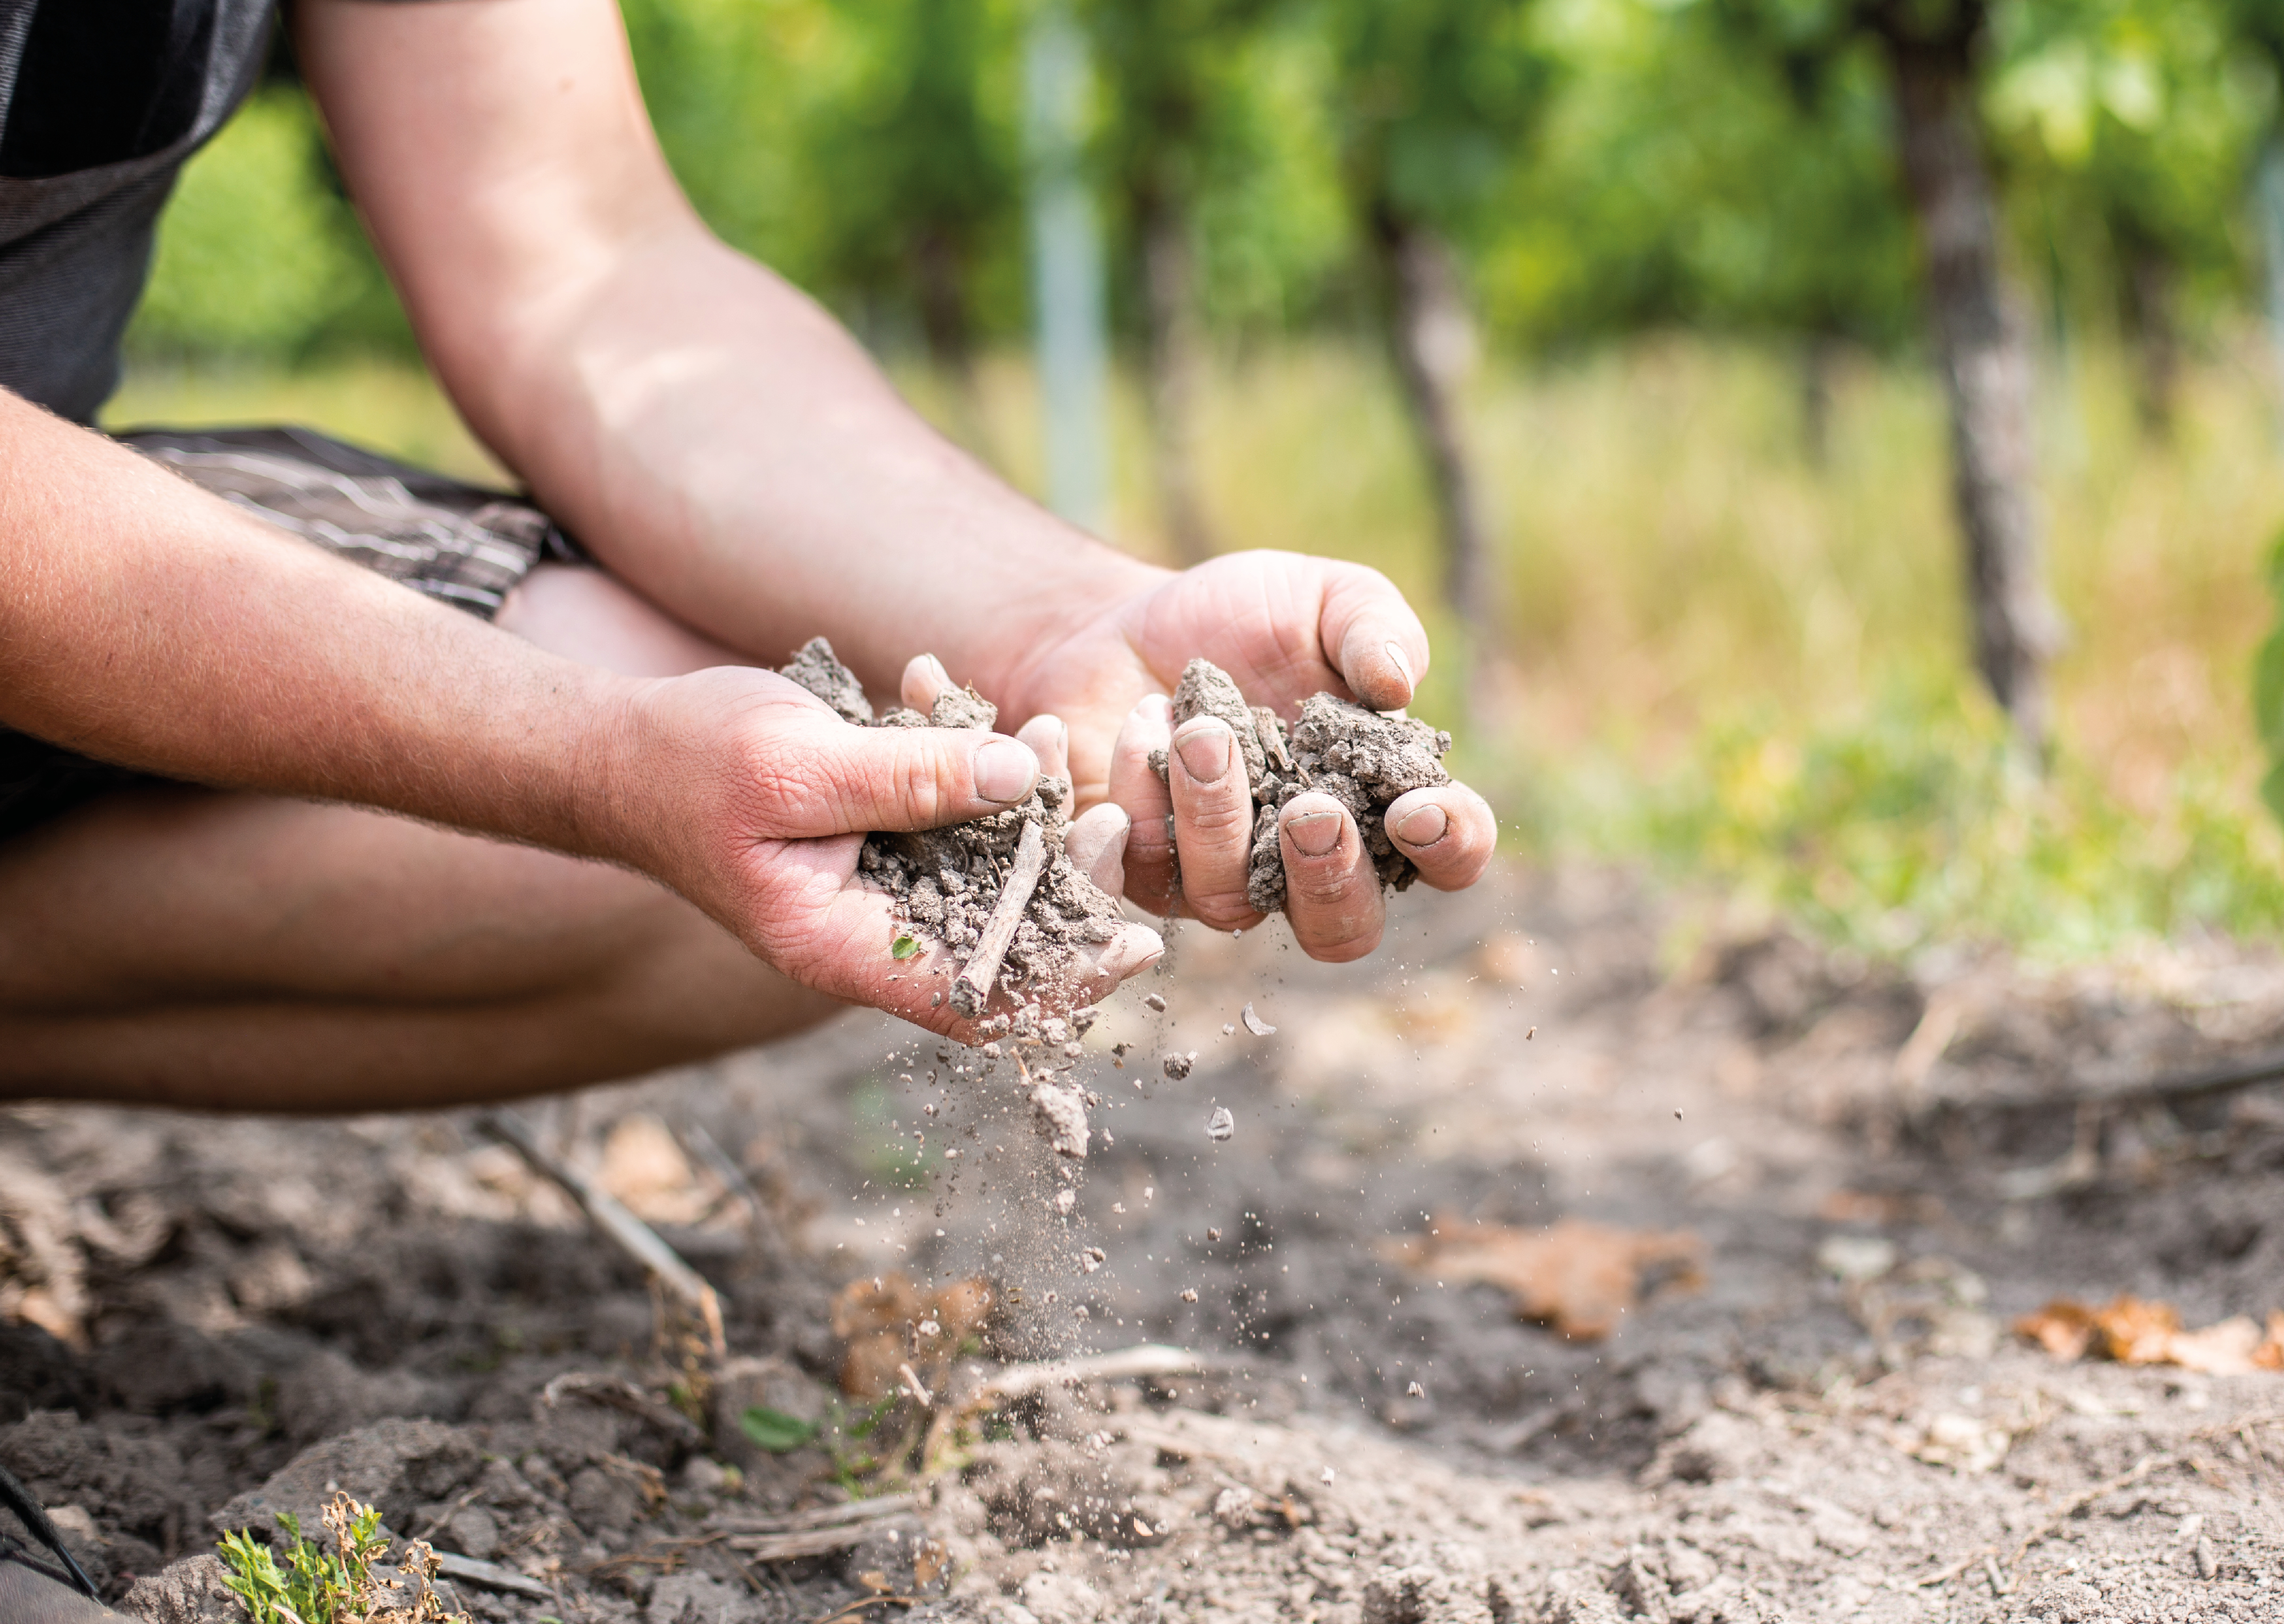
775 1430
316 1586
904 947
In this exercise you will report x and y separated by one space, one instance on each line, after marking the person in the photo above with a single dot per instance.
277 833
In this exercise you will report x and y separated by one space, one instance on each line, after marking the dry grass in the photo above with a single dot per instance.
1703 619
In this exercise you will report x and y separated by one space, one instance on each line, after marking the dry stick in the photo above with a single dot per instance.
632 1236
973 988
724 1167
2068 1508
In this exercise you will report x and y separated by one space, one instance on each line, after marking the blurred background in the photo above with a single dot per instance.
1643 342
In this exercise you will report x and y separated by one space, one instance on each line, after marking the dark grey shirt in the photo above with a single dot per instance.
101 102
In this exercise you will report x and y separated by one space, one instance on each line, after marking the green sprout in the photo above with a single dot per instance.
775 1430
904 945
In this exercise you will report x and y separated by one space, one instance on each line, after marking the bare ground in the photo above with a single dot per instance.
1826 1418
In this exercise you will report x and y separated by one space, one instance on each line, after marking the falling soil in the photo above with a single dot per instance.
1276 1409
1360 758
945 883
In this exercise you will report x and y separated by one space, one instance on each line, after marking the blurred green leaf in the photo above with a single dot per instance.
775 1430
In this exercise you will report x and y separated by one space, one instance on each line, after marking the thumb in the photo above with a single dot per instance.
843 779
1378 644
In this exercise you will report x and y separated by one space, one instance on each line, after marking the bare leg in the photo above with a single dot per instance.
189 948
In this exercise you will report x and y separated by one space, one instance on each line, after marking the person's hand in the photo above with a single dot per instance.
750 798
1283 626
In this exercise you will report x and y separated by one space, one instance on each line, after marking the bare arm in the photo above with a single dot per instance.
146 622
718 440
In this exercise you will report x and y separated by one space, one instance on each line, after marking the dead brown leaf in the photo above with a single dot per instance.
886 1321
2136 1330
646 1170
1576 1276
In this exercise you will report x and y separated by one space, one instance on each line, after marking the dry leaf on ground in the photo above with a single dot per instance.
887 1321
1576 1276
646 1170
2134 1331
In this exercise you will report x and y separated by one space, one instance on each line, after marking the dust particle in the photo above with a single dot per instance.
1221 1125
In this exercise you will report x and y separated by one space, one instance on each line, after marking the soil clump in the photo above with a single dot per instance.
1360 758
947 883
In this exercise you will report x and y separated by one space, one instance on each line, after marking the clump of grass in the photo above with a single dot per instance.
316 1586
1915 819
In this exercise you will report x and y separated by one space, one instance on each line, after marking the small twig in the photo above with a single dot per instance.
491 1576
620 1394
2176 1087
823 1517
972 990
1016 1381
724 1167
632 1236
856 1607
2068 1508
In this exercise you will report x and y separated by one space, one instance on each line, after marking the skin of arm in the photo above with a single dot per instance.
145 622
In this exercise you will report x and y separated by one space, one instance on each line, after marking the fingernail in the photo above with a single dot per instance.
1395 657
936 670
1423 826
1204 747
1005 770
1314 833
1156 708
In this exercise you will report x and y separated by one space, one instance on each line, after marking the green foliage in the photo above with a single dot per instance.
255 255
315 1586
2268 689
775 1430
1916 820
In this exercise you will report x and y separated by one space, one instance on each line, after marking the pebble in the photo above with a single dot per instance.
1220 1125
1415 1391
1065 1199
1213 1234
1189 1293
1154 1003
1177 1065
1328 1477
1254 1024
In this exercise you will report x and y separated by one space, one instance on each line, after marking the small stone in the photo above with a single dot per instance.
1189 1293
1228 1029
1220 1125
1065 1199
1213 1234
1254 1024
1328 1477
1415 1391
1153 1001
1177 1065
2208 1559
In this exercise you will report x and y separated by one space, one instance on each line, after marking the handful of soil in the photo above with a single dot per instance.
1360 758
950 883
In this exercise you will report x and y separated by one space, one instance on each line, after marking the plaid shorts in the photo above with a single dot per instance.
464 545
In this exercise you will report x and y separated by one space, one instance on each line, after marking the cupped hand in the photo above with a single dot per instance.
751 799
1283 626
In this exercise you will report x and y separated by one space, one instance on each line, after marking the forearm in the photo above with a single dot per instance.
716 438
728 449
148 623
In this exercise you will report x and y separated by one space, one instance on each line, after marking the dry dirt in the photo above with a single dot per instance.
1815 1412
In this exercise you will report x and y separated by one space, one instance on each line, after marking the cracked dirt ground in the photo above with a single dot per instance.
1816 1409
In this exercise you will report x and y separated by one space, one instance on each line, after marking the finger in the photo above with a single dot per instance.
832 778
1374 638
1213 821
1135 786
924 679
1331 893
1049 741
1448 832
1096 846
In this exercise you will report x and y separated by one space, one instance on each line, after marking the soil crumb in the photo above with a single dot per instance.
945 883
1360 758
